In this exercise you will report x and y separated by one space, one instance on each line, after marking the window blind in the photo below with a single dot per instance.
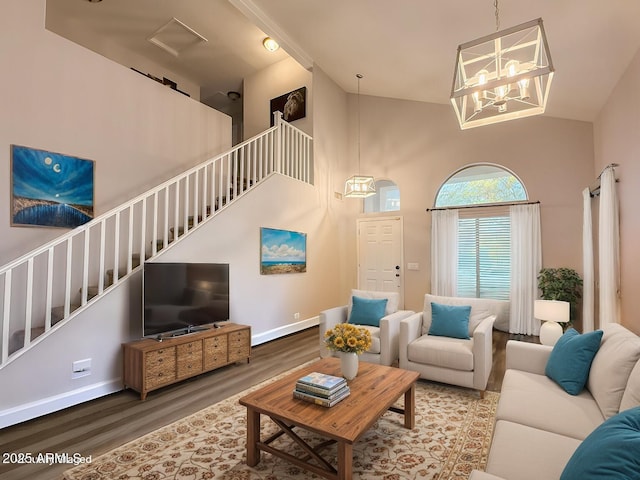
484 257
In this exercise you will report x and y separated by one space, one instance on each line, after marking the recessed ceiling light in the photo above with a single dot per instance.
270 44
94 1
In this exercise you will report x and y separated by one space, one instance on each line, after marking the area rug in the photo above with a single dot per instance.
451 438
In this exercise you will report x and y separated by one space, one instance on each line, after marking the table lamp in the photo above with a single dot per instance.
553 312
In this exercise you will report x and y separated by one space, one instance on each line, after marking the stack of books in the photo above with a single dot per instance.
321 389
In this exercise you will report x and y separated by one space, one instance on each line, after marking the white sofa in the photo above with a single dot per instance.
384 339
456 361
538 425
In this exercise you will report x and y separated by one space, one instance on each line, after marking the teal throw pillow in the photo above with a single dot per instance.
450 320
367 311
611 451
570 360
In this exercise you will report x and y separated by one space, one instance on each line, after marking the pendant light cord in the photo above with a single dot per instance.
359 76
495 5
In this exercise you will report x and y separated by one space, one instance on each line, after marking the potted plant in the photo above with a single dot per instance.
561 284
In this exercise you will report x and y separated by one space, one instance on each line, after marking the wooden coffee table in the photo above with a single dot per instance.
373 392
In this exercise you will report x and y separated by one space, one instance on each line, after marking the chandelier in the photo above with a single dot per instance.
502 76
359 186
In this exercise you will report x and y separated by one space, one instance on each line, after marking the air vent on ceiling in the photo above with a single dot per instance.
175 37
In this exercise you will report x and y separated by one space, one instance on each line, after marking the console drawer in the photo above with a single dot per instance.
191 348
189 359
160 367
158 358
215 351
239 345
149 364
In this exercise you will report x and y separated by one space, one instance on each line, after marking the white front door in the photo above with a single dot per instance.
380 255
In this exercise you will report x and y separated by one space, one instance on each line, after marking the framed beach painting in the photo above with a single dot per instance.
50 189
282 251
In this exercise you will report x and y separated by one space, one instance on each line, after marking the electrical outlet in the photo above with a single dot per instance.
81 368
296 316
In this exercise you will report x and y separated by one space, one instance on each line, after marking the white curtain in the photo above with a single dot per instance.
526 262
588 297
609 248
444 252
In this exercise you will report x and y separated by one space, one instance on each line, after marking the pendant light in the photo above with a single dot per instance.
359 186
502 76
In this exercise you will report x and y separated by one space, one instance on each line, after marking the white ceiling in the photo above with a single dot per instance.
404 48
233 49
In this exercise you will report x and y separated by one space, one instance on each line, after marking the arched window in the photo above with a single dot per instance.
386 199
480 184
484 234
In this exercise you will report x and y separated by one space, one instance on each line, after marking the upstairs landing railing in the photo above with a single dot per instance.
43 289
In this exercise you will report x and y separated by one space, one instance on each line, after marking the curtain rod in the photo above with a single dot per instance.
594 188
506 204
611 165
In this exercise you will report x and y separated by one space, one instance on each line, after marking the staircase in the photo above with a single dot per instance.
43 289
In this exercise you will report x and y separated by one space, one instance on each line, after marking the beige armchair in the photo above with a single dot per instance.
384 338
465 362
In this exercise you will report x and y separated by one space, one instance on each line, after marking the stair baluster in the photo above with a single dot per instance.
71 263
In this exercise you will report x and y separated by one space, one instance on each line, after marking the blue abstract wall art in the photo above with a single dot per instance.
50 189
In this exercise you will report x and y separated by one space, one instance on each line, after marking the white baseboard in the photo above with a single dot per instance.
28 411
285 330
22 413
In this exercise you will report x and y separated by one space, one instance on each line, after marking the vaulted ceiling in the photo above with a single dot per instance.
404 48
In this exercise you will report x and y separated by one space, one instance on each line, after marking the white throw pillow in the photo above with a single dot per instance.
631 396
618 354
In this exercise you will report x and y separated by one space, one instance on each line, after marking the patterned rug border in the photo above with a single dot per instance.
468 449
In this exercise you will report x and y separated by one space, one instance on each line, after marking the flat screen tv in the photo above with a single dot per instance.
183 297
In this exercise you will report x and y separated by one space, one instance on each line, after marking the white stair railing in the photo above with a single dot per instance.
41 290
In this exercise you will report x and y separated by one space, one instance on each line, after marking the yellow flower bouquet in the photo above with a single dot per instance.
345 337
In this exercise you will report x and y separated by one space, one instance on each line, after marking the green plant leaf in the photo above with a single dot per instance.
562 284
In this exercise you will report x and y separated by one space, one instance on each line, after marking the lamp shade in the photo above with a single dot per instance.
551 310
502 76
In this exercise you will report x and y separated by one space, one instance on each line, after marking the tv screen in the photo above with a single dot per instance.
183 297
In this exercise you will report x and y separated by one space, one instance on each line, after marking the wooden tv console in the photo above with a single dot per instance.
150 364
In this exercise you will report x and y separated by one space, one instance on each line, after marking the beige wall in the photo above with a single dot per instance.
62 97
329 151
617 141
418 145
58 96
276 80
268 303
57 20
139 134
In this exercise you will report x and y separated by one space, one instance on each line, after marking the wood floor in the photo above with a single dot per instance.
98 426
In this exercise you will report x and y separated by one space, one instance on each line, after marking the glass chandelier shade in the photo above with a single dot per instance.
359 186
502 76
